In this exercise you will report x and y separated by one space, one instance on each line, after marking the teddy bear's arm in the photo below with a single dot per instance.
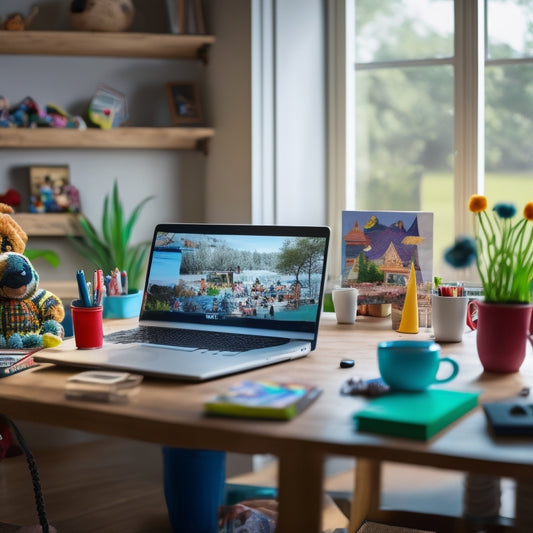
50 306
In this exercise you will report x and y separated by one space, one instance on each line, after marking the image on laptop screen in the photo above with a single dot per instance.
248 280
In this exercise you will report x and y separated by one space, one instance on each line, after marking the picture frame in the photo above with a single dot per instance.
51 191
184 103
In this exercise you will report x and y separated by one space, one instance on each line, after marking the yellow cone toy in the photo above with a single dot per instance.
409 322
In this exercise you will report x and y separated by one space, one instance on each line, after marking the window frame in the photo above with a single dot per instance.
468 142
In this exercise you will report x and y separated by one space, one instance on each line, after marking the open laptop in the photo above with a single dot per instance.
219 299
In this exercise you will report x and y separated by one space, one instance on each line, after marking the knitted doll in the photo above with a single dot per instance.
29 317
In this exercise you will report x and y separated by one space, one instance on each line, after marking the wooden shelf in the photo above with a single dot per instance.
149 138
77 43
48 224
124 44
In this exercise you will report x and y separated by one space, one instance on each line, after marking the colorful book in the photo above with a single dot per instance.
281 400
415 415
13 361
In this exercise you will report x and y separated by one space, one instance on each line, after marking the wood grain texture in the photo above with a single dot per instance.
117 138
124 44
48 224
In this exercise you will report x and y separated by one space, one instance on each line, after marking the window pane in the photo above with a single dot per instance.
508 134
388 30
404 133
509 24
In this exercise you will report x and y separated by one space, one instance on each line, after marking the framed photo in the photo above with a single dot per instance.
184 102
51 191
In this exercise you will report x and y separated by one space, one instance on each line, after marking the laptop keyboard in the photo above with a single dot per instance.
207 340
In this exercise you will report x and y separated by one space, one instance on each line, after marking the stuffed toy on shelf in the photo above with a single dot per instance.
30 317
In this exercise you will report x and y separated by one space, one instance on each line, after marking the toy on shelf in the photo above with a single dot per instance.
101 15
28 114
11 197
108 108
17 21
4 112
30 317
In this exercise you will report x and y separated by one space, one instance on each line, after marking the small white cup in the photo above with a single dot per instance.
345 304
448 317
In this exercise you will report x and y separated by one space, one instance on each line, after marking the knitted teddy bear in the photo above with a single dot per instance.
30 317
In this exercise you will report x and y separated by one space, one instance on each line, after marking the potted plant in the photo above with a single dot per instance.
503 252
111 248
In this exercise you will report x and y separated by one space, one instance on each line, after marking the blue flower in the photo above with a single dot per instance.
462 254
505 210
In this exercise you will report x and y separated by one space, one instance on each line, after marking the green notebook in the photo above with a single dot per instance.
415 415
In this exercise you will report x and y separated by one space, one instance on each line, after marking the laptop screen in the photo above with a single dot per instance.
258 277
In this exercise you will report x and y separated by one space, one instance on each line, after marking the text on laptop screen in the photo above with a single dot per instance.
272 281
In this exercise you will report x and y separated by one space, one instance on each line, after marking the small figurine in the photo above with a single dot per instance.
4 112
17 21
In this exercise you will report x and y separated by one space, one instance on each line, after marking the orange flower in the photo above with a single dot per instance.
477 203
528 211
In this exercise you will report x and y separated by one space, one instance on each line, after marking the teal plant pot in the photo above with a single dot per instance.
124 306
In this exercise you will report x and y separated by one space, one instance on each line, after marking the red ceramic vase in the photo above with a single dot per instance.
502 334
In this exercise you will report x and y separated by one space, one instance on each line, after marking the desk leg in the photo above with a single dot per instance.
524 503
301 475
367 492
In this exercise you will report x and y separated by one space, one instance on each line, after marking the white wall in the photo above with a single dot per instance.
300 128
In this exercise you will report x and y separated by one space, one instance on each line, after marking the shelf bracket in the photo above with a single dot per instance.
203 146
203 54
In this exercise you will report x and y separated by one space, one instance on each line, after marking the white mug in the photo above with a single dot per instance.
448 317
345 304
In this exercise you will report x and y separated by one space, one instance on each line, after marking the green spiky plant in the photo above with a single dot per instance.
112 248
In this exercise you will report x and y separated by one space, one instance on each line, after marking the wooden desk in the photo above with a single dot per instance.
170 412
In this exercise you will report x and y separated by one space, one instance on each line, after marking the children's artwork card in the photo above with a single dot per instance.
378 248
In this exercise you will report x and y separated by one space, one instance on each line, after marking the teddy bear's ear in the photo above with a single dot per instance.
12 237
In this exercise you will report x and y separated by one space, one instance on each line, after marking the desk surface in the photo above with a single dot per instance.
170 412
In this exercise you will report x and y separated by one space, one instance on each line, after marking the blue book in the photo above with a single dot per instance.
415 415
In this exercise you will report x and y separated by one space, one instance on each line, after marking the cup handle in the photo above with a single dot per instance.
455 369
471 314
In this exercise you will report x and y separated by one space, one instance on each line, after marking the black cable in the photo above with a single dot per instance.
32 465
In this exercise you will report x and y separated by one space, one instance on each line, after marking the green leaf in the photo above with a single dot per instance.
48 255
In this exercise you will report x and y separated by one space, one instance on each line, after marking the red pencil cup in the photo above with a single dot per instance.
88 326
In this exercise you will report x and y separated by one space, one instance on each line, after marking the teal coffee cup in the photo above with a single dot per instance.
413 365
